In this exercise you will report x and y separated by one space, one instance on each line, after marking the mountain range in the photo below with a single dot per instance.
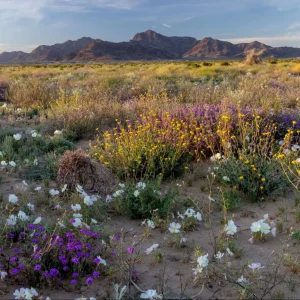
148 45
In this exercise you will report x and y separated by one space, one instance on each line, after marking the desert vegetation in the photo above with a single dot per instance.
152 180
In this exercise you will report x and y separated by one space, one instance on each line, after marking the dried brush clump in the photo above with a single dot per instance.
253 58
76 167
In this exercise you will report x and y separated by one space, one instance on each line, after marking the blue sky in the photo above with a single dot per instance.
26 24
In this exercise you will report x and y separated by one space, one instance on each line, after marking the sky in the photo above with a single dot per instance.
26 24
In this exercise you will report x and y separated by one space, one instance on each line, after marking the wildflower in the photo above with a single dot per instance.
76 222
230 228
241 279
151 294
255 266
255 227
12 198
130 249
189 212
3 163
57 132
93 221
174 227
35 162
38 188
64 188
17 136
203 261
122 185
100 260
265 228
150 249
12 164
198 216
12 220
22 216
219 255
89 281
273 231
141 185
108 199
211 199
180 215
30 206
183 240
37 267
3 275
226 178
136 193
76 207
88 201
54 192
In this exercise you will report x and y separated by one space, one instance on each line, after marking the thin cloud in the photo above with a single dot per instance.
272 40
166 25
295 26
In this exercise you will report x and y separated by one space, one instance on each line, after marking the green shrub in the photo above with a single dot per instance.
143 199
256 176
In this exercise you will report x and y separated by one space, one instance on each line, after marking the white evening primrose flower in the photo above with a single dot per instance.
219 255
297 161
12 220
37 220
38 188
33 133
230 228
35 162
17 136
3 275
57 132
88 201
102 261
3 163
12 164
183 240
54 192
12 198
273 231
30 206
122 185
255 227
281 142
174 227
77 222
226 178
150 224
76 207
22 216
64 188
151 294
108 199
203 261
189 212
255 266
141 185
19 294
150 249
136 193
295 148
241 279
198 216
229 252
265 228
93 221
118 193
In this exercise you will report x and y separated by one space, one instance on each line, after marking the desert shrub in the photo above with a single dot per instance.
76 167
225 63
143 199
249 162
257 177
158 145
207 64
252 58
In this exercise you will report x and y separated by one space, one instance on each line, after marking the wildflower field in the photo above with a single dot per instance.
150 180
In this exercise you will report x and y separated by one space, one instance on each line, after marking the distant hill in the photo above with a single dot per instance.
148 45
